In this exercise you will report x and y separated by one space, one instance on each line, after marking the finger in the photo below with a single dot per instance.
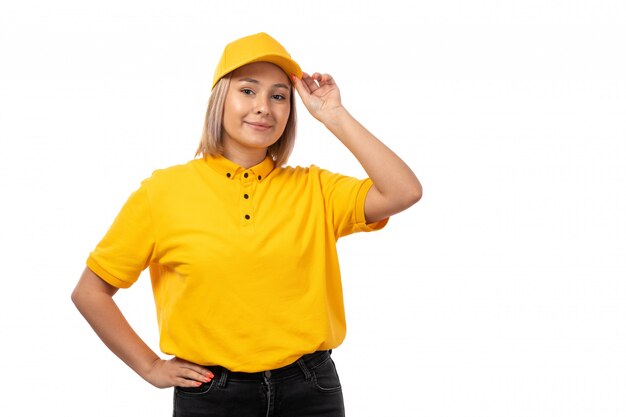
187 377
300 86
197 373
190 375
327 79
200 370
190 383
192 371
310 82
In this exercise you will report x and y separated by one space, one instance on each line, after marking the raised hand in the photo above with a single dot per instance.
319 93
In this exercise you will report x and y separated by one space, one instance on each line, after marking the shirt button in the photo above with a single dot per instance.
259 178
247 217
245 175
267 374
245 196
228 174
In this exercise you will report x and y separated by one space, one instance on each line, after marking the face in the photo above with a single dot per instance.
256 109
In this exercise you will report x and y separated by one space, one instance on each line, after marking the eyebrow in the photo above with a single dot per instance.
252 80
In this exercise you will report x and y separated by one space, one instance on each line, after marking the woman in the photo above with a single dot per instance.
241 250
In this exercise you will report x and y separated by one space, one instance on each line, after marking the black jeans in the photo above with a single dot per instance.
307 388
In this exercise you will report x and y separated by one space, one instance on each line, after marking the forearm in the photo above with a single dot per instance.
391 176
396 187
106 319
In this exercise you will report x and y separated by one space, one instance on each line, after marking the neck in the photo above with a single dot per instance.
245 159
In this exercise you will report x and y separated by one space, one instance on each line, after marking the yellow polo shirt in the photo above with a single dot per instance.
243 262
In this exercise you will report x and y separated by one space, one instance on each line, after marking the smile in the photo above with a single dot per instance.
259 126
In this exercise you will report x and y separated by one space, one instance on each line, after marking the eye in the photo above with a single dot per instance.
278 97
247 91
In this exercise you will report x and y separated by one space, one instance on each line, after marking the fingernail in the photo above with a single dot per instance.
198 383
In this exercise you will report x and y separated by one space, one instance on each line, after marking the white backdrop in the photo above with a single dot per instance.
501 293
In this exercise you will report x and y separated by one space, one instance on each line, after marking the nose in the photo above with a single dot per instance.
262 104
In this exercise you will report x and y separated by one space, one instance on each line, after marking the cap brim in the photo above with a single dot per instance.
288 65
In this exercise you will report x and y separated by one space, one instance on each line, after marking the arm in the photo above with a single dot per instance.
396 187
94 299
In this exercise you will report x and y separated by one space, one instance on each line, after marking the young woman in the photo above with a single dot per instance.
241 248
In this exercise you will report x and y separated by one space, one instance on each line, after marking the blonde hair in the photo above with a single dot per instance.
211 139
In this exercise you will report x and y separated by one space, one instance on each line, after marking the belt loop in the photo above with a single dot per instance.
223 378
305 370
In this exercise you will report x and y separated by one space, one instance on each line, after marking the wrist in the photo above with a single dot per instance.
335 118
147 367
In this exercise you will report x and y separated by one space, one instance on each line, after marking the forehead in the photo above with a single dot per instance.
261 71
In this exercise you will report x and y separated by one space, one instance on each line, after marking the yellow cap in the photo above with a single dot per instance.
255 48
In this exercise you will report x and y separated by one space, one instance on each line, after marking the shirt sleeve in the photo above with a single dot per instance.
345 202
128 246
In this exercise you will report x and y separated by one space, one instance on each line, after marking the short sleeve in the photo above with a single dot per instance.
128 246
345 201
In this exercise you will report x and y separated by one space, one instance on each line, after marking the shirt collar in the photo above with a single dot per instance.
229 169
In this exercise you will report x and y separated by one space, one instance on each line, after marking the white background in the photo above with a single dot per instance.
501 293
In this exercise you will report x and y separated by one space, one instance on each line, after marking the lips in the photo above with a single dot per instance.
259 125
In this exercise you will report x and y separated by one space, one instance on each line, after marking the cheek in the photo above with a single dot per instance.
232 114
283 116
232 108
234 103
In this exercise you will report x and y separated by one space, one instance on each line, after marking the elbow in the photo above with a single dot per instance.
405 200
75 297
417 194
80 297
413 195
382 206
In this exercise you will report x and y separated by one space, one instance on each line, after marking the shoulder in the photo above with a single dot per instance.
313 174
297 176
314 171
165 183
164 177
298 171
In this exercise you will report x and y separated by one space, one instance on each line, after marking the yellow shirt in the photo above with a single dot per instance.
243 262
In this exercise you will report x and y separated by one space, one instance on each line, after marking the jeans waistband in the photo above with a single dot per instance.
301 366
